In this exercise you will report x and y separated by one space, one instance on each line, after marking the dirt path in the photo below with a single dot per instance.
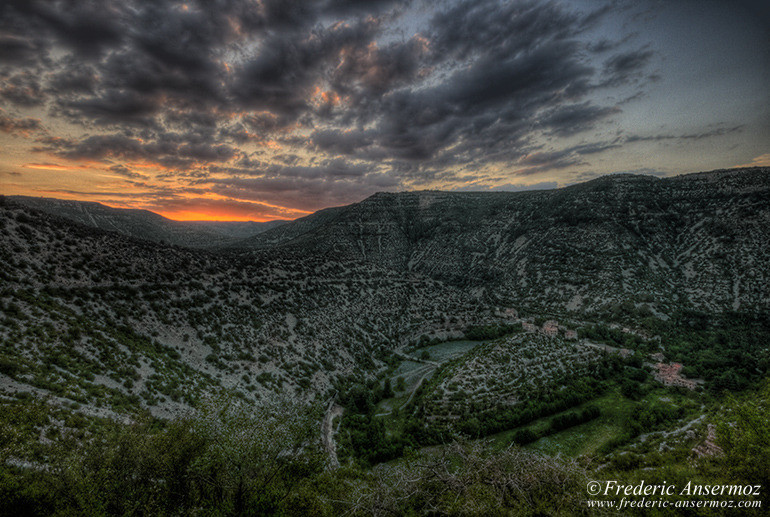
327 432
417 386
414 390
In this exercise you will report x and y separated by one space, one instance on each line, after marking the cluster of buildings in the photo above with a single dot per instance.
669 374
550 328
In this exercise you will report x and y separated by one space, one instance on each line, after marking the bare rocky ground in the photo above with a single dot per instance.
328 430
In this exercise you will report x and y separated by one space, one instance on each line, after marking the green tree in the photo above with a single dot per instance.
257 455
229 458
744 434
400 384
472 479
387 390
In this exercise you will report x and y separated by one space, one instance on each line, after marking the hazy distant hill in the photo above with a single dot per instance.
235 229
698 240
143 224
304 226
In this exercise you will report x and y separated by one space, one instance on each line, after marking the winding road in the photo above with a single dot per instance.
327 431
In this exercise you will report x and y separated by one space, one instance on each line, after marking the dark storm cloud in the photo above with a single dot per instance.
75 77
356 7
505 69
22 89
625 66
306 193
538 160
329 182
165 151
595 147
120 170
18 126
85 26
113 107
720 131
497 29
187 84
483 105
331 169
342 142
16 48
545 158
601 46
575 118
282 77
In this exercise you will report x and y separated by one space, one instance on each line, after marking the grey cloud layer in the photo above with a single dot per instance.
189 85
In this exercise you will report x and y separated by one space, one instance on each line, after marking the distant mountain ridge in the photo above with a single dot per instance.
699 239
147 225
654 244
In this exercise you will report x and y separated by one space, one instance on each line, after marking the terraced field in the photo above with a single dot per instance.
505 372
414 373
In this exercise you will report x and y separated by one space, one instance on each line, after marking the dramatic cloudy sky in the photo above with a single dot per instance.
264 109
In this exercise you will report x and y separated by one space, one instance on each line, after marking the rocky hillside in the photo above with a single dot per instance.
112 322
636 244
143 224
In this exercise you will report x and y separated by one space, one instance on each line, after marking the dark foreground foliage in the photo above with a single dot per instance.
472 479
234 459
229 459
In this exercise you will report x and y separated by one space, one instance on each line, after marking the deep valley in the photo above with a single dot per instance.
613 329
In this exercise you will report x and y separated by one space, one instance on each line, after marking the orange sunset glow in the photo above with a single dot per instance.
255 113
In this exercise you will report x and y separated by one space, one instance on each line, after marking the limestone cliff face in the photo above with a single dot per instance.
698 240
